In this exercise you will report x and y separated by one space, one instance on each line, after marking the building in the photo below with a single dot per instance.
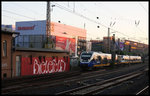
107 46
81 45
6 53
19 61
57 29
8 27
63 37
97 45
35 61
136 47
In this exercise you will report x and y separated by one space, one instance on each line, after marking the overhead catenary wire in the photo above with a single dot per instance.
66 9
122 17
18 14
80 16
26 8
143 7
42 26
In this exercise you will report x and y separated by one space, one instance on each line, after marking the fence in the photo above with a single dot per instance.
35 41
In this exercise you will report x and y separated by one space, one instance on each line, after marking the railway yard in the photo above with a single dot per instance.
73 51
125 79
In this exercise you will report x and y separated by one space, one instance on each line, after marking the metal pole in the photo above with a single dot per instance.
129 54
48 19
118 46
76 47
48 33
113 55
108 40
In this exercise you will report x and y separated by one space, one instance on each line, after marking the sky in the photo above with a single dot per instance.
127 20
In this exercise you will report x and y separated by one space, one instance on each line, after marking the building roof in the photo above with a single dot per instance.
40 50
9 32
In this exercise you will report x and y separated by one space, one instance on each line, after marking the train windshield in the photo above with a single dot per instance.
86 55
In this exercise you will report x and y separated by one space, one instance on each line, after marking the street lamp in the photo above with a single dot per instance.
52 7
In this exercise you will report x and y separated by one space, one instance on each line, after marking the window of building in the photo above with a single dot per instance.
5 75
5 48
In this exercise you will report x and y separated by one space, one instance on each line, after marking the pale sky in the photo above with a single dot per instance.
124 14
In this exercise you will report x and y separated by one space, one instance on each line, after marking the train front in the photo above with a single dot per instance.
85 60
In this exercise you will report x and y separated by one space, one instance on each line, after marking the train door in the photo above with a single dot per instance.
18 65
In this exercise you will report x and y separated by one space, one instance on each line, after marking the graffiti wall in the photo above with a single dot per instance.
34 65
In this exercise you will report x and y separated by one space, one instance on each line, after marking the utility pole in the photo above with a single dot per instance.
118 46
129 54
48 26
113 55
76 55
74 7
108 40
48 19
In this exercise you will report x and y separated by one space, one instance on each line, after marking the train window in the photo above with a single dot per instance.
86 55
5 48
99 59
105 61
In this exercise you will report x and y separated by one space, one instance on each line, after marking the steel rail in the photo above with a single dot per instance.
23 85
48 84
138 93
89 89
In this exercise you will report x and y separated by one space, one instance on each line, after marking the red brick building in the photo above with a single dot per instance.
6 53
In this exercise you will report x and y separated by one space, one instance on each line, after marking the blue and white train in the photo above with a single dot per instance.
90 60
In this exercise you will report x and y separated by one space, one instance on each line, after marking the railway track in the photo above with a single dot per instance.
34 78
46 83
96 87
13 86
61 81
143 91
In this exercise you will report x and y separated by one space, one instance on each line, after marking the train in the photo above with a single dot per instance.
91 60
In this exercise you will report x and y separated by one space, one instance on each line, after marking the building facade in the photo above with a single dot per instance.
107 44
6 53
136 47
19 61
66 35
97 45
